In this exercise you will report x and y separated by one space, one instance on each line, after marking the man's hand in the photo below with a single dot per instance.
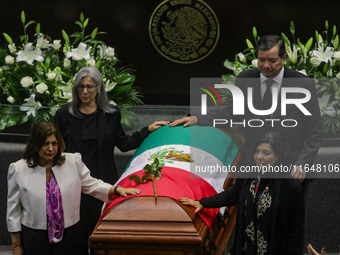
186 122
298 174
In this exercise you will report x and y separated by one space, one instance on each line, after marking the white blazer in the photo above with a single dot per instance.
26 200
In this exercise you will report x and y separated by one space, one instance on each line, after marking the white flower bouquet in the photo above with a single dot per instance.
36 75
319 59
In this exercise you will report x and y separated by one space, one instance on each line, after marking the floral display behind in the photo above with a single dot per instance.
36 75
318 58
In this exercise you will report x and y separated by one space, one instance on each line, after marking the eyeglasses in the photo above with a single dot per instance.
89 87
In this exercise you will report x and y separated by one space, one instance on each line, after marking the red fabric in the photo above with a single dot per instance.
174 183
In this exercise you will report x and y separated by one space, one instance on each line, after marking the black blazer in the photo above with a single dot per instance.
288 215
303 140
110 134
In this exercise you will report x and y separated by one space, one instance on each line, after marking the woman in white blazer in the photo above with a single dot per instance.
44 191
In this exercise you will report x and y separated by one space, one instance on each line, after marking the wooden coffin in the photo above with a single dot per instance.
140 225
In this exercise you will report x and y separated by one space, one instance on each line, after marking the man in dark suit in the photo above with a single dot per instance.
300 124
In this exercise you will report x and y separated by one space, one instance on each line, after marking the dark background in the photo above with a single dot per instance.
127 21
167 83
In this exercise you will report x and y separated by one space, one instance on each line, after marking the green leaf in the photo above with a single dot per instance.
285 38
153 168
292 28
98 64
29 23
147 166
158 175
85 23
336 42
326 24
37 29
334 30
146 178
82 17
23 18
47 63
249 44
316 35
325 68
335 86
94 33
228 64
135 178
309 44
79 24
156 162
254 32
66 38
8 38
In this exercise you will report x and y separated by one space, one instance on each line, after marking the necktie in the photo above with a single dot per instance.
267 98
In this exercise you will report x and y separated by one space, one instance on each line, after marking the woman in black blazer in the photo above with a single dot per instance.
90 124
270 209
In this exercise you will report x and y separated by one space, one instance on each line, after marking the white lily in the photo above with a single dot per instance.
106 52
110 52
109 85
90 62
42 43
254 62
12 48
292 53
303 71
65 91
102 50
80 52
29 55
30 106
241 57
56 44
323 56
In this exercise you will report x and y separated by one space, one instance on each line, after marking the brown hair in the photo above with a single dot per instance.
36 139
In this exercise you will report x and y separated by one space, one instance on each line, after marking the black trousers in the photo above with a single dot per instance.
90 211
35 242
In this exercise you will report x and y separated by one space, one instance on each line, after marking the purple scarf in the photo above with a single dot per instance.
54 209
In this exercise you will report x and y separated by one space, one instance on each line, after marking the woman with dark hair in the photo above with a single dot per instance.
90 125
44 191
270 213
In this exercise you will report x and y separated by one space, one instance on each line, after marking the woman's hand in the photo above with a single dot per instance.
193 203
186 122
157 124
16 246
17 251
311 250
123 192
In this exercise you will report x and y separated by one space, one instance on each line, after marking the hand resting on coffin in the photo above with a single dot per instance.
193 203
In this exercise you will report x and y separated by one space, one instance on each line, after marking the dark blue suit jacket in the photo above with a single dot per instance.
303 140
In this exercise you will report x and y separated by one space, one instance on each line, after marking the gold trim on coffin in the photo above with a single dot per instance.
184 31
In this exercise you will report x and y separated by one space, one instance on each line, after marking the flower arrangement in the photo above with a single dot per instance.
319 59
37 75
